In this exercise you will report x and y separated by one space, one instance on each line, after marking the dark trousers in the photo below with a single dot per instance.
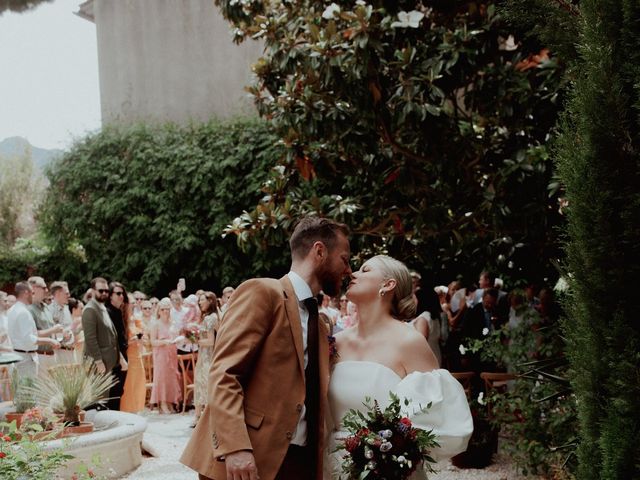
294 467
115 393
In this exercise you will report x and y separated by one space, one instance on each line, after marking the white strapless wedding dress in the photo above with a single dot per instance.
449 416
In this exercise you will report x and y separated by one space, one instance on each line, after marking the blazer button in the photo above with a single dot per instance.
289 435
298 408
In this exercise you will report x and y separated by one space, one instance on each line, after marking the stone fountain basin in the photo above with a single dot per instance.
115 441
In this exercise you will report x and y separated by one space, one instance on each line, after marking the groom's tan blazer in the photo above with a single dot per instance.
256 382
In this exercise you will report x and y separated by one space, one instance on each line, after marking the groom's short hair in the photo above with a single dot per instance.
313 229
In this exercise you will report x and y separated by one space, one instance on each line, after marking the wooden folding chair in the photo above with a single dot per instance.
495 382
147 361
187 365
5 384
465 380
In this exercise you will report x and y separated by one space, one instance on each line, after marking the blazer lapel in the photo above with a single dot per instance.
293 316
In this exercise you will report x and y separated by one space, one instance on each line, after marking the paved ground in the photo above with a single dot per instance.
167 436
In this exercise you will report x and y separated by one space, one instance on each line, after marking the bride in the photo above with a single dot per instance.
382 354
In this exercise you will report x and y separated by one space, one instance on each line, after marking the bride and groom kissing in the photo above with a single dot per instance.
274 408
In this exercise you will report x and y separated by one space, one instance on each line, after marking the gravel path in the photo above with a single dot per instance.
167 436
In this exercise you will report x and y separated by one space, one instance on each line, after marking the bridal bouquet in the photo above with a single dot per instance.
191 333
383 444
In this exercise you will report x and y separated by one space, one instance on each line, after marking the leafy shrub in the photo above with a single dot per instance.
148 204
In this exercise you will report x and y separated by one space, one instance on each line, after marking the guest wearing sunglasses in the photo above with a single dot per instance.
100 335
117 307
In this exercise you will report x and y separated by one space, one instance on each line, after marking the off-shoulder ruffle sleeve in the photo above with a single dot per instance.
449 416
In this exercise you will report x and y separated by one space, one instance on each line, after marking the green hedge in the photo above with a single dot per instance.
148 204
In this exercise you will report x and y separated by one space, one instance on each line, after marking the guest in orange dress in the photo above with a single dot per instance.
167 387
135 390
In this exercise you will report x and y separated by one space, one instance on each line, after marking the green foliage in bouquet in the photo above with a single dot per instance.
383 444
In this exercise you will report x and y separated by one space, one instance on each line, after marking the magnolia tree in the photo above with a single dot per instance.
422 124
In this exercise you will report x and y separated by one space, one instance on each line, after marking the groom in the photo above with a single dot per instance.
270 371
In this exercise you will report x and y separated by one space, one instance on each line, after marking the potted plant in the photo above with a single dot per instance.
69 388
23 400
39 424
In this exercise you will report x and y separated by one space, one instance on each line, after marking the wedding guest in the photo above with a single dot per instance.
23 332
10 301
62 316
114 305
76 307
166 390
146 321
178 312
100 334
5 341
88 295
429 328
210 316
138 298
44 321
227 292
351 318
324 302
154 307
134 391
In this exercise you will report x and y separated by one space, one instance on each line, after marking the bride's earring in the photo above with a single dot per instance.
381 292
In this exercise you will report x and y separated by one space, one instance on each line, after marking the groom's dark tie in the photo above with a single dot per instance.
312 380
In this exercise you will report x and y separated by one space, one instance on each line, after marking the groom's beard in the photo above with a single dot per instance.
331 284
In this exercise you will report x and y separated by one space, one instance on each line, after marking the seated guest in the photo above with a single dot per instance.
167 390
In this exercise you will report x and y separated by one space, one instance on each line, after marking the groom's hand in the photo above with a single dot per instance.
241 466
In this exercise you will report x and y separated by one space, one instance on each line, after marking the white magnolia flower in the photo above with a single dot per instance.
481 398
463 350
330 11
485 331
408 19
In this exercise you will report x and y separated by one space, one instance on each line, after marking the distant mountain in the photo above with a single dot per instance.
16 146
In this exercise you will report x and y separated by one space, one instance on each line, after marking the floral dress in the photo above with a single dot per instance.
205 355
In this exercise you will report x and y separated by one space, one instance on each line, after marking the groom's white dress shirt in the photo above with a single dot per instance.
303 291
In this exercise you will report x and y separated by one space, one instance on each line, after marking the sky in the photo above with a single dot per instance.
49 90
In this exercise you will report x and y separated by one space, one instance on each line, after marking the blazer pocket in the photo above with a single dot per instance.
253 418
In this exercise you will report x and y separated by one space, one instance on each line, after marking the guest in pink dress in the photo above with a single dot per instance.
167 390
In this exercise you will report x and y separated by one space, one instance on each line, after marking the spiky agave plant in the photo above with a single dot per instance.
69 388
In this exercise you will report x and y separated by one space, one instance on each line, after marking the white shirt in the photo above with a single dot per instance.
302 291
5 342
60 314
22 328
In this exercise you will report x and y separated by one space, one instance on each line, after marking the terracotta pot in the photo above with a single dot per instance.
45 435
11 416
84 427
81 415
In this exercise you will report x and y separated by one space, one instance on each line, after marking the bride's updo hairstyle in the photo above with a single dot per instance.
403 305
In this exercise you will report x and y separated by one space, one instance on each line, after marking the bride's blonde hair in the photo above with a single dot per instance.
403 304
